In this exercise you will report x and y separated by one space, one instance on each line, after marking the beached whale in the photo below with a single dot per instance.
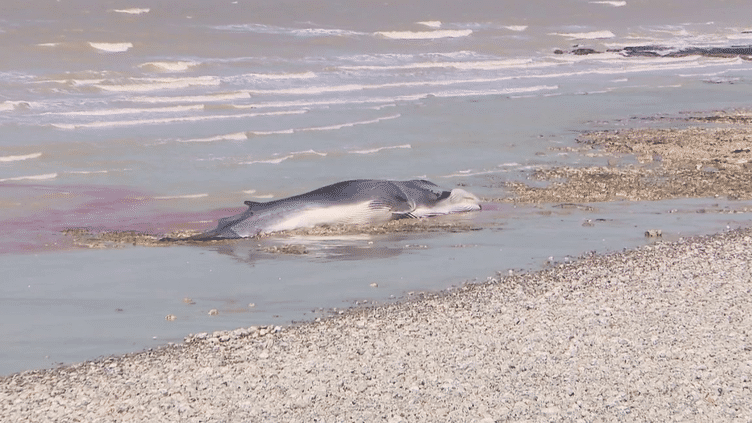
356 202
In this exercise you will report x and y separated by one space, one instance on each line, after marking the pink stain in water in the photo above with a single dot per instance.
37 214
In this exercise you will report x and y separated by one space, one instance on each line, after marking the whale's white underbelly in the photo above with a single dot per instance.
366 212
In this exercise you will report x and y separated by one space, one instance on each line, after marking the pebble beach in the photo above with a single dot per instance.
658 333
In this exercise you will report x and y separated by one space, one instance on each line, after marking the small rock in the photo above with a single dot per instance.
213 312
251 305
653 233
584 51
374 285
170 317
188 301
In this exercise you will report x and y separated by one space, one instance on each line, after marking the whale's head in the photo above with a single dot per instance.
455 201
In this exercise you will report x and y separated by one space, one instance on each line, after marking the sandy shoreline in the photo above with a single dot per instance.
657 333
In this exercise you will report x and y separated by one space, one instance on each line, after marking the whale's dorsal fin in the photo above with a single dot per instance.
251 204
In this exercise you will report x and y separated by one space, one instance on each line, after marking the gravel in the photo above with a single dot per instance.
657 333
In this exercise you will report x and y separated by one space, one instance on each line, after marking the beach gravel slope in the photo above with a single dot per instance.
659 333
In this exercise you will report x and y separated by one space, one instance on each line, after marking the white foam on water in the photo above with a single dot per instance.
249 191
277 132
516 28
376 150
747 37
474 65
675 30
156 84
178 119
273 76
31 177
86 172
424 35
235 136
48 44
7 106
178 66
430 24
592 35
704 74
465 173
132 11
349 124
610 3
78 82
330 101
126 111
390 101
112 47
627 65
298 32
608 57
21 157
508 91
323 32
208 98
322 89
314 152
278 160
182 197
248 134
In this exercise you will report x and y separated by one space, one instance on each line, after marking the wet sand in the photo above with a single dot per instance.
86 238
657 333
653 164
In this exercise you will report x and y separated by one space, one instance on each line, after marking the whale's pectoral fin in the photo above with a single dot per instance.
226 221
398 205
224 227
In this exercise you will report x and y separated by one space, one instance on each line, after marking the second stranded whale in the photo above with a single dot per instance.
356 202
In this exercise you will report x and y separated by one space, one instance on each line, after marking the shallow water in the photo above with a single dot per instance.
160 116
